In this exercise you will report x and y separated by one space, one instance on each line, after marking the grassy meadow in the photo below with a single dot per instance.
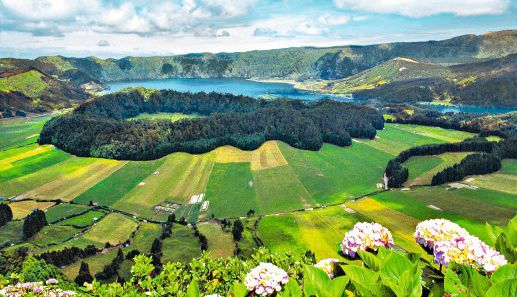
301 199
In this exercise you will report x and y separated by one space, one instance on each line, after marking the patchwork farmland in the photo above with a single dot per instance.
288 199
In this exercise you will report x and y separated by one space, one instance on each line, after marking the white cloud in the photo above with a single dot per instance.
309 28
44 10
103 42
421 8
194 17
334 19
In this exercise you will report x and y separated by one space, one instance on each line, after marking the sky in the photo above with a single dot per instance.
118 28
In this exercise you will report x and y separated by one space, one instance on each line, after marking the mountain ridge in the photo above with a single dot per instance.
298 63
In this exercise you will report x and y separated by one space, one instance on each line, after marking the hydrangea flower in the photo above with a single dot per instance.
366 236
428 232
265 279
35 289
51 281
327 265
468 250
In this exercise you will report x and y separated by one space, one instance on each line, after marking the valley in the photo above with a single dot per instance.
287 198
258 148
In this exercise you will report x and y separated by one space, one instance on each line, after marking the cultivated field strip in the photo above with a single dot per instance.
23 208
220 243
268 155
423 168
114 228
6 162
231 190
68 186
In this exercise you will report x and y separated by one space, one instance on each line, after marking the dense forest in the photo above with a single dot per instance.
99 128
487 160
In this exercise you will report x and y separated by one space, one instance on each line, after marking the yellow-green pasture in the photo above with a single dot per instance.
114 228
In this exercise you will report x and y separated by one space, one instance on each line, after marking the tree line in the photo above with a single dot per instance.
487 160
482 163
504 125
99 129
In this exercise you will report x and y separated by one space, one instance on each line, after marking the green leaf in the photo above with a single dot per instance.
337 286
370 260
508 271
479 283
505 288
436 291
315 281
453 285
413 257
364 280
395 266
493 232
291 289
511 232
193 289
239 290
383 254
503 246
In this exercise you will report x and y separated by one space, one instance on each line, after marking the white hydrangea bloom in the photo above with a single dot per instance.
327 265
366 236
265 279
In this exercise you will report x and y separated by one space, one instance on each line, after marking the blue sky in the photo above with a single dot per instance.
30 28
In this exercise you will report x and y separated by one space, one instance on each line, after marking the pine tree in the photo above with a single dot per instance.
237 230
84 274
34 223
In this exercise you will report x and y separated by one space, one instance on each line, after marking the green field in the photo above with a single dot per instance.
504 181
95 263
229 190
63 210
11 233
273 181
20 131
182 246
281 233
40 178
423 168
84 220
53 235
220 243
177 179
145 236
114 228
482 206
113 187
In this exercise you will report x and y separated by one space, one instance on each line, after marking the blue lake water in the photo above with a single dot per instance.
264 90
471 109
224 85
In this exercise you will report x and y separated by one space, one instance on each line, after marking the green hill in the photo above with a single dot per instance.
289 63
30 90
492 82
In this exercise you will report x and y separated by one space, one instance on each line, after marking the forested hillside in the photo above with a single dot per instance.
492 82
98 128
29 90
290 63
